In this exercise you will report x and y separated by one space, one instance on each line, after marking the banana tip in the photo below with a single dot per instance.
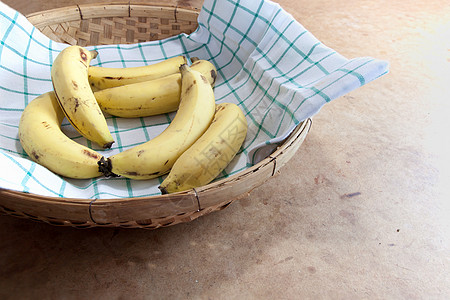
108 145
94 53
163 190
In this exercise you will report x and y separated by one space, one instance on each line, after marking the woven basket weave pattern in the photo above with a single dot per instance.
111 30
115 24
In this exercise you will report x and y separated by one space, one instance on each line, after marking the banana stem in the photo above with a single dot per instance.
184 68
105 167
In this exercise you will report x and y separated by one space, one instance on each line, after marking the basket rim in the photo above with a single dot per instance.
301 129
86 213
115 9
153 211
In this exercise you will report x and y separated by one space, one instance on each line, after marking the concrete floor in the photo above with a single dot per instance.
361 211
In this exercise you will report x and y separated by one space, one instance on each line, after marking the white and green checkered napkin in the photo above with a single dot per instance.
269 64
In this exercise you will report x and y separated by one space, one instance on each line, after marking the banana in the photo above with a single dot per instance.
152 97
155 157
42 139
70 81
211 153
102 78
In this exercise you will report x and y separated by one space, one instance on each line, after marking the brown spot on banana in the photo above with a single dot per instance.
140 174
64 110
204 79
90 154
83 55
111 78
77 103
35 156
189 87
213 76
46 125
75 85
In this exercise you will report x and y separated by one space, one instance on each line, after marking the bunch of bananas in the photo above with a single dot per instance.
198 144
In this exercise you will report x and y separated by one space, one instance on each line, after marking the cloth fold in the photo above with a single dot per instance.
267 63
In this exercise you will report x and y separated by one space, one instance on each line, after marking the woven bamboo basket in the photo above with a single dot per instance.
112 24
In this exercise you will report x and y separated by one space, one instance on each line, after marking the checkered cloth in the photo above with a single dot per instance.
268 64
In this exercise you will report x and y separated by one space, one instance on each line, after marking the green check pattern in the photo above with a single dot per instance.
268 64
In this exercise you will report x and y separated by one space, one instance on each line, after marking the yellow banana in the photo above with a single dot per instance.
42 139
211 153
152 97
103 78
155 157
70 81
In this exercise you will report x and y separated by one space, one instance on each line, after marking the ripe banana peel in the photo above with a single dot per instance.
70 82
211 153
42 139
155 157
151 97
197 145
103 78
